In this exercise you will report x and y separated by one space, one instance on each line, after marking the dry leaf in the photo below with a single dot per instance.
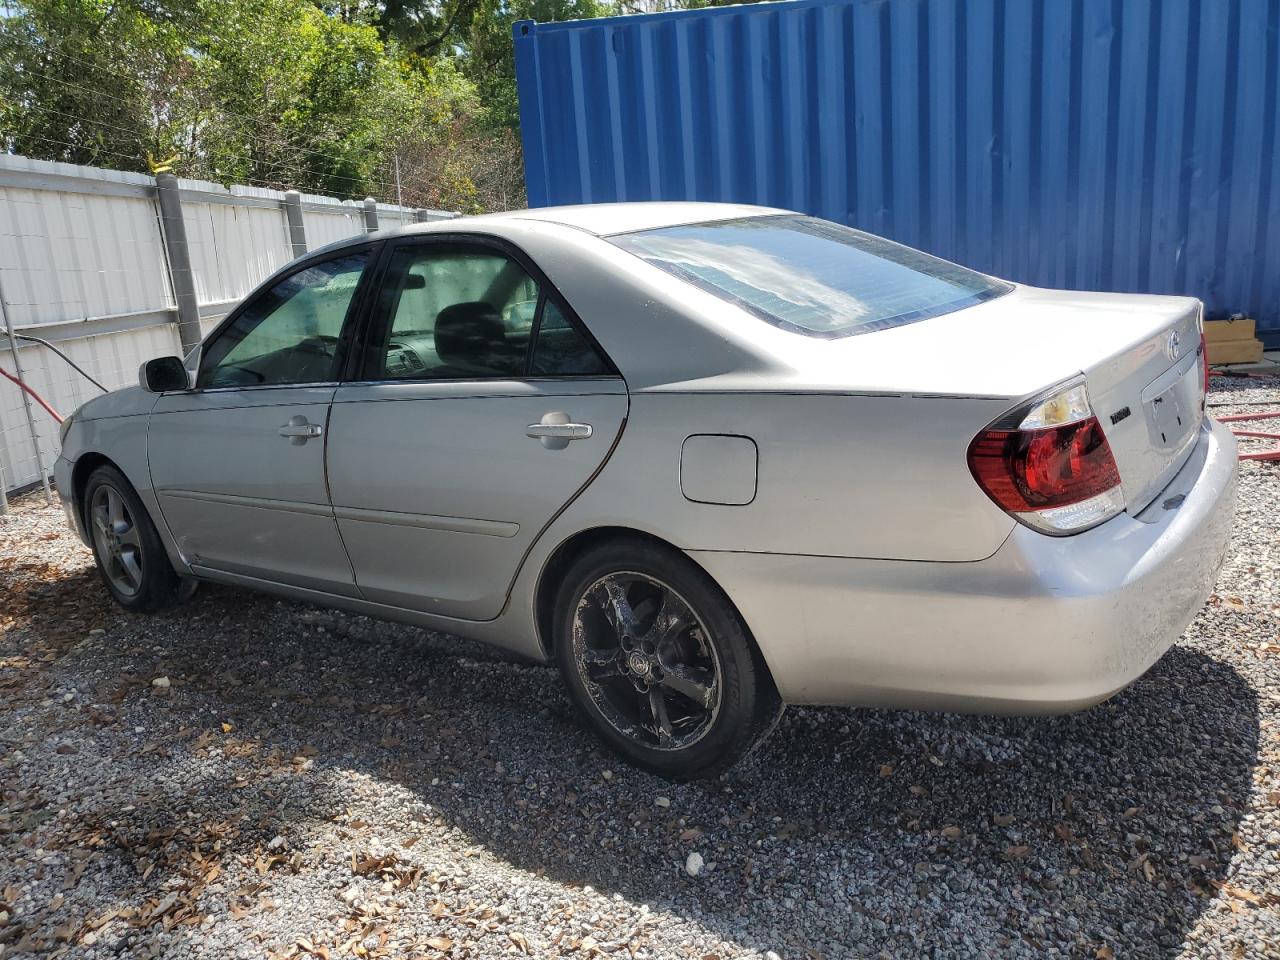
1105 953
917 790
886 770
520 940
442 944
952 833
227 728
1017 852
1238 893
1002 819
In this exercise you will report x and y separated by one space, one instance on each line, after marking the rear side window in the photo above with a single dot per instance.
561 351
463 312
812 276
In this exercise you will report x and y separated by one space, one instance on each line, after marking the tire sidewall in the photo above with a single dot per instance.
159 581
733 729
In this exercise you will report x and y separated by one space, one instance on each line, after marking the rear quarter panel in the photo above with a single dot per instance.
848 476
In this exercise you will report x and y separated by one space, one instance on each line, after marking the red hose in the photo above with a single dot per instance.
39 399
1272 454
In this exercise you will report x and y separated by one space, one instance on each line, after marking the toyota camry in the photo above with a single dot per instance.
708 459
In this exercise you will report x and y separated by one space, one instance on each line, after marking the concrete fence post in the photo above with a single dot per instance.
26 402
175 244
293 213
370 215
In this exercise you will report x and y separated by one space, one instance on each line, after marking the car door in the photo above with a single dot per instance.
480 407
238 462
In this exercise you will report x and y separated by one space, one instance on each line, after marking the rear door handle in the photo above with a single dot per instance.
563 431
299 430
556 430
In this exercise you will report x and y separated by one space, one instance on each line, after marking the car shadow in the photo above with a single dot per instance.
862 824
943 808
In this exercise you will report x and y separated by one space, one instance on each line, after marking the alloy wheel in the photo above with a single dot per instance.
117 539
647 660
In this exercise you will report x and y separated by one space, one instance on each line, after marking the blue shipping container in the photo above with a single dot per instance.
1093 144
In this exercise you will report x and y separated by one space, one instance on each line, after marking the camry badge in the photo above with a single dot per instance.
1171 348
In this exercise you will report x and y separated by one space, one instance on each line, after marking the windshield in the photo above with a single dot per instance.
812 276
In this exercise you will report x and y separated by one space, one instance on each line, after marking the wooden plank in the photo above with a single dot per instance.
1244 328
1235 351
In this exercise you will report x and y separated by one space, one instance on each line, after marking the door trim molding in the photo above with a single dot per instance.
484 528
260 503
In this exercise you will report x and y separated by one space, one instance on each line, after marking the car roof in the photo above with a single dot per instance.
605 219
598 219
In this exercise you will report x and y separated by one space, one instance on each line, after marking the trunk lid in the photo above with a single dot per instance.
1148 398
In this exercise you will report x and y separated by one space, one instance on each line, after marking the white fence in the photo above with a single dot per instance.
83 265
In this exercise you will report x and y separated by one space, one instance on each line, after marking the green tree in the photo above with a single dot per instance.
63 95
287 93
490 59
329 96
269 92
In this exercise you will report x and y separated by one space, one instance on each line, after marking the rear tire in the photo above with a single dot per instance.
131 559
659 663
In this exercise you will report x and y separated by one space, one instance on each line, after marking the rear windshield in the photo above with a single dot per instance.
812 276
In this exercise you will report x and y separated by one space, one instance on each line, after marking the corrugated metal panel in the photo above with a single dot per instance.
113 359
1093 144
67 256
328 226
81 243
233 248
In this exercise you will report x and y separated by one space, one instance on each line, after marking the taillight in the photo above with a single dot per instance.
1204 363
1049 464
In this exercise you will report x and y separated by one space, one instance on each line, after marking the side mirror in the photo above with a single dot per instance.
164 374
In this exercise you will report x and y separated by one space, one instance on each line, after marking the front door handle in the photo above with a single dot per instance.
299 430
555 430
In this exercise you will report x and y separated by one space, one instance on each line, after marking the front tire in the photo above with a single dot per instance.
658 661
131 559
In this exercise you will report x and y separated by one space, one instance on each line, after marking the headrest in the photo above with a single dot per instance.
471 334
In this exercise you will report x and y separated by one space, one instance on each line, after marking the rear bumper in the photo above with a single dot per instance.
1045 625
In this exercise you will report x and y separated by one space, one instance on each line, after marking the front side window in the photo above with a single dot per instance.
289 334
462 313
812 276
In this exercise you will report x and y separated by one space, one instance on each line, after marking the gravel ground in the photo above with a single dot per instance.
253 778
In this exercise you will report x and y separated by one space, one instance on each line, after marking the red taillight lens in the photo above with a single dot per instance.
1049 464
1026 471
1204 358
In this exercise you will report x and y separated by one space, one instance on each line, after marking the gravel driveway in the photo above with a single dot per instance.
253 778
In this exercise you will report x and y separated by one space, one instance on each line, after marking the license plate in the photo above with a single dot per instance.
1173 414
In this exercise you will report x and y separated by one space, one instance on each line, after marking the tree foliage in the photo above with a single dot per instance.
328 96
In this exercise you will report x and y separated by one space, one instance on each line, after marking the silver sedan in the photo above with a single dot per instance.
709 459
